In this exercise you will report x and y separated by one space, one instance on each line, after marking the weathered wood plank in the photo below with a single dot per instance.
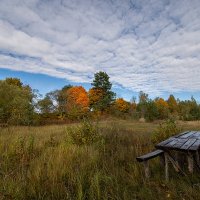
195 146
149 155
188 140
183 133
187 135
163 143
179 143
197 135
173 142
187 144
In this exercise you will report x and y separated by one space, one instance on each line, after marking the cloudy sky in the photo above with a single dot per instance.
148 45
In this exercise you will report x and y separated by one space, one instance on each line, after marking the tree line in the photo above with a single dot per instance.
21 105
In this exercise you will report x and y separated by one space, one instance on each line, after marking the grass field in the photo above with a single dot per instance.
44 163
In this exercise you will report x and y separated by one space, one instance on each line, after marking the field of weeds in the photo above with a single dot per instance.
62 162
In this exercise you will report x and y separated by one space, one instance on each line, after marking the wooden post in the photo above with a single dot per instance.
166 166
190 162
146 169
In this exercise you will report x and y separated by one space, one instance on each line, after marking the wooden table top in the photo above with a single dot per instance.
186 141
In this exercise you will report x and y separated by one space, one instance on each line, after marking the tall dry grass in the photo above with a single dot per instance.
43 163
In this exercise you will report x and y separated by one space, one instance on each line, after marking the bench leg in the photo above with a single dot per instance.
146 169
166 166
190 162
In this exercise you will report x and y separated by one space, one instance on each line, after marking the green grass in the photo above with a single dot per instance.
43 163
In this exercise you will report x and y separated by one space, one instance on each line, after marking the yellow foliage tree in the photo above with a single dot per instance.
163 108
122 105
173 106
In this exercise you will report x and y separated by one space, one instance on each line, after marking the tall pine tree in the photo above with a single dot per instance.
101 88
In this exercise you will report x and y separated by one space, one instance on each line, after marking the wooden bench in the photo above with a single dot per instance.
147 157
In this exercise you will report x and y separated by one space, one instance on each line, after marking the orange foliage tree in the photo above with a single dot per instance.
95 96
162 107
122 105
77 102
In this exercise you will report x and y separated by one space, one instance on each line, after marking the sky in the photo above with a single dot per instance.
143 45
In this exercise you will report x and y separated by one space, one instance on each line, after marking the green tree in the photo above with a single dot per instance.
46 105
61 98
194 109
101 82
184 110
189 109
152 112
55 103
16 102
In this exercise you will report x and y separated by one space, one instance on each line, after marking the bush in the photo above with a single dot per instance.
165 130
85 134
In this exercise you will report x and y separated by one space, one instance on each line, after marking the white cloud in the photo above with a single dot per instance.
152 46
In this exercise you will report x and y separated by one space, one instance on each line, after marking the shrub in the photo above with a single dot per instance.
165 130
85 134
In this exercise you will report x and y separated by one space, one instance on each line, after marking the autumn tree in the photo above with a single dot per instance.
122 105
172 103
133 108
163 108
100 95
14 81
96 95
77 104
142 105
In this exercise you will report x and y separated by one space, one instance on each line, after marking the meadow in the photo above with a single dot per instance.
45 163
